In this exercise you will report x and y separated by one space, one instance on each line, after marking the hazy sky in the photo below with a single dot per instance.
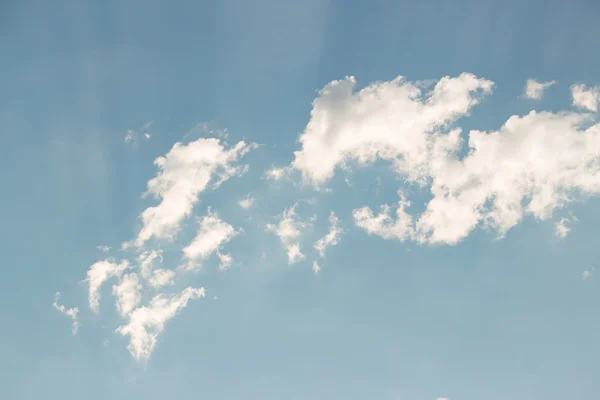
300 200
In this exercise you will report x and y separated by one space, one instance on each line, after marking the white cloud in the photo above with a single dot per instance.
532 165
332 237
276 173
104 249
294 254
587 274
225 261
388 120
562 227
247 202
185 172
147 322
288 227
69 312
127 293
155 277
99 273
383 225
316 267
535 90
442 398
288 231
213 234
585 97
162 277
147 260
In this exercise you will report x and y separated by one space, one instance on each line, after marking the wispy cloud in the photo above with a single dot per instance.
99 273
247 202
276 173
316 267
127 293
147 322
288 231
535 90
133 135
185 172
213 233
69 312
332 237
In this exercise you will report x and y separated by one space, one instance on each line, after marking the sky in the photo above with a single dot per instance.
300 200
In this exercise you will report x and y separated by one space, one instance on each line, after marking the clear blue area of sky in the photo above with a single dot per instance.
486 319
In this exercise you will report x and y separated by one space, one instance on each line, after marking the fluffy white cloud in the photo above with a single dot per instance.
127 292
535 90
532 165
69 312
213 234
288 231
288 228
161 277
388 120
585 97
104 249
294 253
332 237
185 172
276 173
99 273
383 224
587 274
147 322
247 202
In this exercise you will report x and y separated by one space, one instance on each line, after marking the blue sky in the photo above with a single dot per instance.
485 289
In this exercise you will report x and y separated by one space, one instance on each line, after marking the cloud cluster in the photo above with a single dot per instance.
184 172
532 165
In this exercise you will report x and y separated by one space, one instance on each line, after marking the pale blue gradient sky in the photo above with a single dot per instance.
486 319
